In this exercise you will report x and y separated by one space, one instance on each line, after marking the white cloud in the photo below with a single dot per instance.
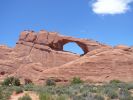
111 6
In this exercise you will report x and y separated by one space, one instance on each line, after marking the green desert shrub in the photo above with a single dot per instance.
89 96
93 89
18 90
130 86
50 82
45 96
112 94
98 97
28 81
76 80
29 87
25 97
115 81
122 85
124 94
62 97
11 81
110 91
5 92
1 94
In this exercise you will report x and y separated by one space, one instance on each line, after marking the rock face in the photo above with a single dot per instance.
38 56
49 40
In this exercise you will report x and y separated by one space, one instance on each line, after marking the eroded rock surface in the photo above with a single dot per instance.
38 56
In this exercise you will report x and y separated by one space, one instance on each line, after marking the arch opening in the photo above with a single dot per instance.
73 48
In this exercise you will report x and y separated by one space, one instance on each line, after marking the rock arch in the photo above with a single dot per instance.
73 47
54 41
62 42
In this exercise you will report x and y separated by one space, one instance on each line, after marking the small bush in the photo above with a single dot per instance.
62 97
1 94
98 97
28 87
5 92
124 94
50 82
18 90
115 81
112 94
122 85
11 81
76 80
93 90
25 97
27 81
45 96
130 86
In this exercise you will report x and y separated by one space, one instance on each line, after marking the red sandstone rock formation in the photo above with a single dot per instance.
38 56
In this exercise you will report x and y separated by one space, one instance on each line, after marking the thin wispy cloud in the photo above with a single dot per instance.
111 6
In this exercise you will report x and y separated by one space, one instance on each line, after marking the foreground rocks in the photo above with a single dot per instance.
38 56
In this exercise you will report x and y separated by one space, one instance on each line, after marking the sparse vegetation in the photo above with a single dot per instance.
28 81
50 82
124 94
115 81
26 97
5 92
28 87
112 94
74 91
18 90
98 97
76 80
45 96
11 81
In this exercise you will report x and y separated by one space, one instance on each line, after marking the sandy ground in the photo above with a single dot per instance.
33 95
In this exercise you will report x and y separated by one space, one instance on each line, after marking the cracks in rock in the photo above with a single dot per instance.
52 44
31 49
45 50
46 53
26 36
32 46
54 38
6 65
37 69
47 36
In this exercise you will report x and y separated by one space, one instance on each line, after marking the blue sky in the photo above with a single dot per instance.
92 19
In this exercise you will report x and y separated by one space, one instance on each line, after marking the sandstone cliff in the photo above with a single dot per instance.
38 56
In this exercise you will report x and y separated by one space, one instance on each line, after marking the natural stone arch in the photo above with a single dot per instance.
53 41
59 45
81 45
73 47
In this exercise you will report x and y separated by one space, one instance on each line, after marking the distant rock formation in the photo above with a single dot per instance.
38 56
